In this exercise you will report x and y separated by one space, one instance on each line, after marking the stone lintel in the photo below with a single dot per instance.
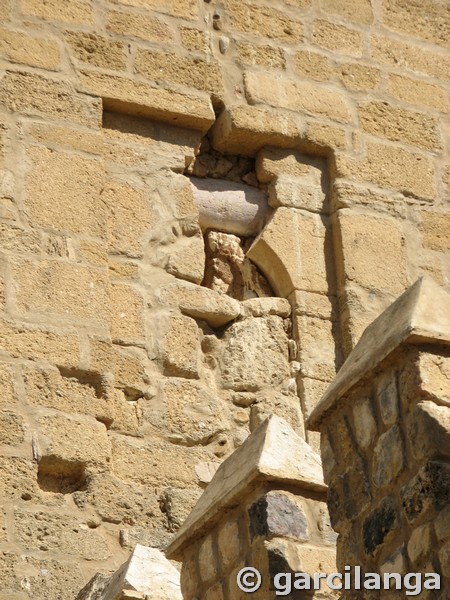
420 315
272 453
243 129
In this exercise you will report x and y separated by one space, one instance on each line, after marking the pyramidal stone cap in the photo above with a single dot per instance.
272 453
420 315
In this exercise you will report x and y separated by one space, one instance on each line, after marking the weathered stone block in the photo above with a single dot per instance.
428 21
278 514
356 76
255 354
127 318
356 11
63 534
364 423
34 94
123 94
264 21
139 25
72 439
427 492
418 92
63 192
97 50
419 544
229 544
400 125
186 9
382 521
179 344
207 560
313 65
388 399
69 291
429 429
317 348
12 428
337 38
186 259
8 394
22 48
196 73
389 457
435 228
266 56
79 12
288 93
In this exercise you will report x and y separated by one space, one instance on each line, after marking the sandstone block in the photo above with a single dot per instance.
435 377
96 50
197 73
93 253
400 125
317 349
415 91
442 524
277 162
8 395
122 94
70 291
22 48
12 428
361 238
435 228
266 56
255 354
78 12
62 577
186 9
407 55
155 463
62 534
278 514
18 478
315 305
127 319
310 391
382 521
138 25
34 94
216 308
313 65
177 504
179 344
293 193
59 348
63 192
428 20
207 561
310 98
246 129
337 38
290 252
74 439
129 218
187 410
195 39
264 21
261 307
358 77
427 492
323 139
351 10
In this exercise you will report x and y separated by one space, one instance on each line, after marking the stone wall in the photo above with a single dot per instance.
385 427
124 381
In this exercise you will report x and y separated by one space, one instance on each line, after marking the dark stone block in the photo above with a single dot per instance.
379 524
430 489
278 515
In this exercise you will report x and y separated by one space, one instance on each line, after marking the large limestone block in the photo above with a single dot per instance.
290 252
274 453
123 94
216 308
147 573
255 354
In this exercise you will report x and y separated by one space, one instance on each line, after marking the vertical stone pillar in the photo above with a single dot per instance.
385 425
265 508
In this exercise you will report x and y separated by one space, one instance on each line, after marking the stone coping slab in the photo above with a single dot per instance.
420 315
272 453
